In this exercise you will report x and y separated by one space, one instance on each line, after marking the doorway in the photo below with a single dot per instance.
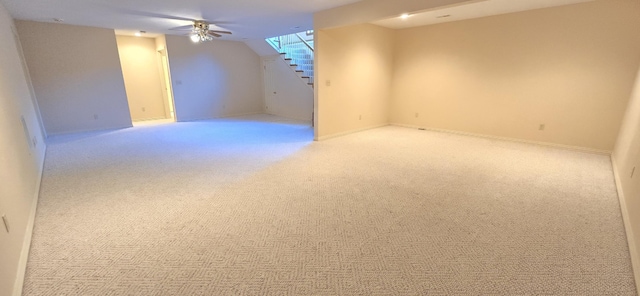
145 70
167 91
270 89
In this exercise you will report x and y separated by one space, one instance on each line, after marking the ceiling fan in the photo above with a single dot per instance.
200 31
199 28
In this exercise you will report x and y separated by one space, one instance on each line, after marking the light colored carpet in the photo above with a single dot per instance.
251 206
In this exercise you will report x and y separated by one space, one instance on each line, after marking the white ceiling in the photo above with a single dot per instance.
245 18
475 9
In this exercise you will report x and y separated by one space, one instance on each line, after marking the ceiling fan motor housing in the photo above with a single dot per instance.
200 26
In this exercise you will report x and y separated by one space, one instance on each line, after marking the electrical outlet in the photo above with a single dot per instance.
179 82
633 171
95 116
417 115
6 222
144 109
360 117
328 83
541 127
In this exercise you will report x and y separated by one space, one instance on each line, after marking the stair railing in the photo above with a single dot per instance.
304 41
281 42
275 43
298 51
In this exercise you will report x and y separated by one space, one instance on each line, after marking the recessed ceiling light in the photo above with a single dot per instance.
443 16
58 20
295 28
404 16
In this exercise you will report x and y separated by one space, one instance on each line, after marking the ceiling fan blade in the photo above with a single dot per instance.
220 32
214 34
182 28
211 21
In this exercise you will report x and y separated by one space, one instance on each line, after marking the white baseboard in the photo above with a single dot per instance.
219 117
150 119
89 131
301 119
349 132
239 115
567 147
633 249
26 244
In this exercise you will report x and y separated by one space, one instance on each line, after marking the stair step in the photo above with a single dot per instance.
301 60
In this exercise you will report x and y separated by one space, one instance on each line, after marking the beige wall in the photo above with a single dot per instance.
626 160
261 47
214 79
293 98
76 75
570 68
354 67
142 77
21 159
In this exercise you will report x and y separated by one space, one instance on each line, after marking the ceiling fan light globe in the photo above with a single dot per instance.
195 38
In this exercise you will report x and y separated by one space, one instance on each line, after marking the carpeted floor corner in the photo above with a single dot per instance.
252 206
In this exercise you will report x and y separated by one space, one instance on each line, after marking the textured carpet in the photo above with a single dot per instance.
251 206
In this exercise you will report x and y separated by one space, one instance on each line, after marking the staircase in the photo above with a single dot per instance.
297 50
